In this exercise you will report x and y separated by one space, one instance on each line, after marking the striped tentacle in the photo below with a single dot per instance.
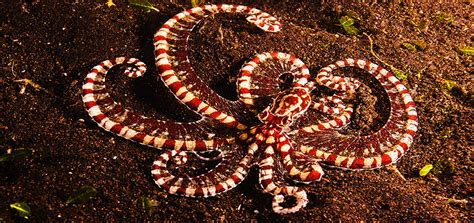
310 170
336 122
271 184
112 117
307 171
171 56
230 172
323 104
381 148
259 77
339 115
338 83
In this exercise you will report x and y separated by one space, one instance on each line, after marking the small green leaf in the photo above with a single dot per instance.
468 50
420 44
443 17
409 46
83 194
346 21
143 4
448 85
425 170
22 208
15 155
147 204
400 74
347 24
418 74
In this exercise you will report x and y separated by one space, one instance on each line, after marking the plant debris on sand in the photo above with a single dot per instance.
49 46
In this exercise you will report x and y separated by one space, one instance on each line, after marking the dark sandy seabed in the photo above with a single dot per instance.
55 44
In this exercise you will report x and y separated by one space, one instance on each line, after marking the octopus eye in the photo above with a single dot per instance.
263 116
285 121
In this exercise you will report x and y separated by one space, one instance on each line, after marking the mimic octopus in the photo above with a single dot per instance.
288 134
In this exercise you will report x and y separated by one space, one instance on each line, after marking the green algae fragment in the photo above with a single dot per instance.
83 194
143 4
347 24
22 208
467 50
425 170
400 74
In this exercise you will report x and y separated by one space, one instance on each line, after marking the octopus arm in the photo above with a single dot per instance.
271 178
172 58
300 167
227 174
383 147
113 117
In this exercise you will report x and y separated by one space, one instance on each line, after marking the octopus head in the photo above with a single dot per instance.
286 107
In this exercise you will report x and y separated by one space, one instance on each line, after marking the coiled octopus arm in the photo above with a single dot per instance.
232 169
171 56
385 146
113 117
271 179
